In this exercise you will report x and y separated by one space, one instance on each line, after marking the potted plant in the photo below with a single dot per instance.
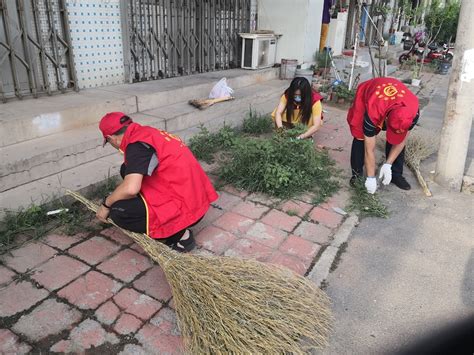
323 63
343 93
415 75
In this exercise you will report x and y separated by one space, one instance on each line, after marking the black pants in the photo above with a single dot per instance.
131 215
358 157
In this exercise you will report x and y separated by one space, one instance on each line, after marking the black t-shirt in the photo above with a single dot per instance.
141 159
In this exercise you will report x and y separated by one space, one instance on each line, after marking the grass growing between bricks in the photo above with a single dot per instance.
365 204
33 222
255 160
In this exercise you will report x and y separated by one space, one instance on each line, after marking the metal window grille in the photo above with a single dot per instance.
35 48
168 38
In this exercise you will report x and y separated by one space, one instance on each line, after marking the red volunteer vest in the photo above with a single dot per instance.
178 193
378 97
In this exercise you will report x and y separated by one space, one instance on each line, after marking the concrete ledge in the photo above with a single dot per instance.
182 116
52 187
323 266
32 160
44 171
234 119
33 118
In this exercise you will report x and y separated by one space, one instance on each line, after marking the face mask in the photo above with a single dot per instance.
297 98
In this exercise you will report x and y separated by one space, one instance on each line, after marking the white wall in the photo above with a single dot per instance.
313 29
299 21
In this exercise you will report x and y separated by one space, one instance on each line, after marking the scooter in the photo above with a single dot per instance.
435 53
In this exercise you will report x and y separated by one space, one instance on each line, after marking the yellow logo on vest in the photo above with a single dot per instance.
388 91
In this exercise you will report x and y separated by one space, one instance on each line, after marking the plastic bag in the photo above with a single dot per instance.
221 89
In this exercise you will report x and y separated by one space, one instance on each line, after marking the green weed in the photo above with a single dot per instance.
366 204
33 222
281 165
292 213
255 123
205 144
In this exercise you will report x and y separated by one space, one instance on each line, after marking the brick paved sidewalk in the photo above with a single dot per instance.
99 291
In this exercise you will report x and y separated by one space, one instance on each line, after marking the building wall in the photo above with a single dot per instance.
96 36
299 23
313 29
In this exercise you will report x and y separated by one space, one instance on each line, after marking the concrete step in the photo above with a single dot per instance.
158 93
35 159
33 118
182 116
81 176
38 158
47 189
233 120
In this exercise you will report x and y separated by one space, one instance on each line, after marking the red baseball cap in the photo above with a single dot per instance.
399 122
113 122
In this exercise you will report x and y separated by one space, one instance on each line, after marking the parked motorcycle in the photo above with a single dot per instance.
443 53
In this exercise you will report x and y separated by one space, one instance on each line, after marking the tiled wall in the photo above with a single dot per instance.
96 36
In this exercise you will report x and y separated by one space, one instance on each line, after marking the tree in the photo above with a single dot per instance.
442 22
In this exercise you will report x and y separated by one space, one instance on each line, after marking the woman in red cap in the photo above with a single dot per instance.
164 191
381 104
299 104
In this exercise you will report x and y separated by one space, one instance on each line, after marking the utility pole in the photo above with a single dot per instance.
459 105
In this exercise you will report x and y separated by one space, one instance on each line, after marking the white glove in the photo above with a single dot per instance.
386 173
371 184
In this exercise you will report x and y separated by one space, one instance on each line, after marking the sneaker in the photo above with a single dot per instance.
401 182
184 246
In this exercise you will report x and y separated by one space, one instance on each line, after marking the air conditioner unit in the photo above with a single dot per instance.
258 50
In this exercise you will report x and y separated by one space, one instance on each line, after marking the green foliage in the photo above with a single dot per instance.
366 204
414 14
255 123
344 92
442 21
322 59
33 223
281 166
205 144
381 9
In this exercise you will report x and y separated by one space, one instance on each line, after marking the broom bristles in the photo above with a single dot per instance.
200 103
420 145
230 305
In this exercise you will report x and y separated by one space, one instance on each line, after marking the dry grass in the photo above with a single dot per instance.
232 306
420 145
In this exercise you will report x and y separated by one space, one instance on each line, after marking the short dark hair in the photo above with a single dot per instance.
124 128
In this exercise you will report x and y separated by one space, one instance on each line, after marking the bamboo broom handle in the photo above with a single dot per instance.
422 182
220 99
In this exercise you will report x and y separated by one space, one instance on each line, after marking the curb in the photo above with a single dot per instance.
321 269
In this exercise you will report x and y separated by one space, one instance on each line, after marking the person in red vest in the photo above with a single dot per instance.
164 190
299 104
381 104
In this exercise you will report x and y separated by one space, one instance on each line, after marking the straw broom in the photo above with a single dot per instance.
420 145
202 104
229 305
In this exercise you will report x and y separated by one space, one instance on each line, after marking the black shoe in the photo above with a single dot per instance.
184 246
400 182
